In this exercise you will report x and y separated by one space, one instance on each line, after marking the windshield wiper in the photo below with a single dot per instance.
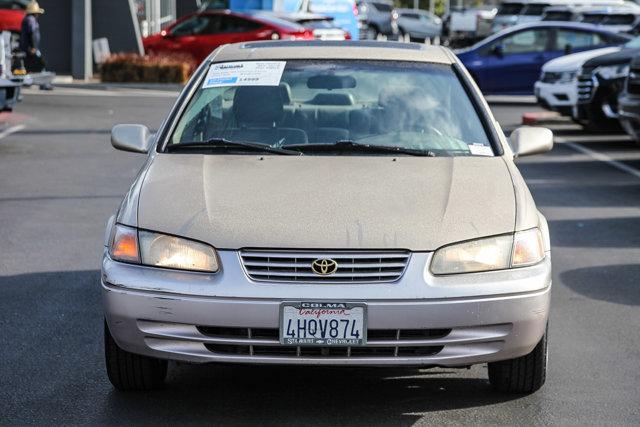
360 146
216 143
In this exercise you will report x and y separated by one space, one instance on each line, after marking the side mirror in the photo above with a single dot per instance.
528 140
498 50
133 138
568 48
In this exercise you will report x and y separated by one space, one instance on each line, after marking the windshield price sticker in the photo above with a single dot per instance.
246 73
323 324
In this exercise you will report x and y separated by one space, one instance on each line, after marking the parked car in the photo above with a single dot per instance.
557 87
629 101
328 204
11 14
377 20
419 25
510 61
198 34
600 82
463 27
323 27
524 11
620 19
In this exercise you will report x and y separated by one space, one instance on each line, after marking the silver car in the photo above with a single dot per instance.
334 204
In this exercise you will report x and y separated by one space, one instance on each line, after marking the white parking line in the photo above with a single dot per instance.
12 129
601 157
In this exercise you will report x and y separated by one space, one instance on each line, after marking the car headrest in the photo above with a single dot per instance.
258 105
332 99
285 92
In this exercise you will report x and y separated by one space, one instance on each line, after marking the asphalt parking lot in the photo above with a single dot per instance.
60 180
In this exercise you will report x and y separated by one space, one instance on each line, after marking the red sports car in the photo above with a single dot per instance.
200 33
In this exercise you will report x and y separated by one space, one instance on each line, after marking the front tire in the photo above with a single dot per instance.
129 371
522 375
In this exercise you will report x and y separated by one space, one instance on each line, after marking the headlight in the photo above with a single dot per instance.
492 253
609 72
161 250
567 77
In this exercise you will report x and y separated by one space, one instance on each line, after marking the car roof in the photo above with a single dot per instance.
317 49
565 25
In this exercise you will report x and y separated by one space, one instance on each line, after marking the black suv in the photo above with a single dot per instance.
600 81
629 101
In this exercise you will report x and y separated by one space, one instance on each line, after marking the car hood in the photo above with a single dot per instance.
574 61
622 56
327 202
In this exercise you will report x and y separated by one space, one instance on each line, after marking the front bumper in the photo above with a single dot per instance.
202 322
557 96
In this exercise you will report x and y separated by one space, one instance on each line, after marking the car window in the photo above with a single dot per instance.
235 24
535 9
382 7
557 16
619 19
528 41
510 9
411 15
593 18
417 106
195 25
577 39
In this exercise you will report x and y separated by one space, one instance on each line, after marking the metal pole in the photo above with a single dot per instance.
81 32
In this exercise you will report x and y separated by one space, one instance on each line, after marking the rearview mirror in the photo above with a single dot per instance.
529 140
331 81
133 138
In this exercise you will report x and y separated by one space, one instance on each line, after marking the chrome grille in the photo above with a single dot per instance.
585 85
381 343
352 267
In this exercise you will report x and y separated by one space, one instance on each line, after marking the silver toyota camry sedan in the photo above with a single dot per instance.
328 203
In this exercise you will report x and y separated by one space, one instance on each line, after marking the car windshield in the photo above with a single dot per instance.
413 106
535 9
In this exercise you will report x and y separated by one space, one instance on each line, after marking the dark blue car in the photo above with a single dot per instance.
509 62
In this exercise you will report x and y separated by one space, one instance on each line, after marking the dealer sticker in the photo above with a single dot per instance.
245 73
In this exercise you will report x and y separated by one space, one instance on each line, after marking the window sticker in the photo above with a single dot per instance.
480 150
245 73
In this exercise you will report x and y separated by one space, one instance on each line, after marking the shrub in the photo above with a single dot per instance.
129 67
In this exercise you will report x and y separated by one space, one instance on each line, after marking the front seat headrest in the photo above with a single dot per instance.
258 105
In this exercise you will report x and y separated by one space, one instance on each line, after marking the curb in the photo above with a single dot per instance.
167 87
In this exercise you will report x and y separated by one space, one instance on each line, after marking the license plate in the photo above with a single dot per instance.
323 324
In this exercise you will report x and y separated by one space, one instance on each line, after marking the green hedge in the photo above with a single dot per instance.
127 67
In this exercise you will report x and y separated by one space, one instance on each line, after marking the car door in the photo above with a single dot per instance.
429 25
511 64
410 23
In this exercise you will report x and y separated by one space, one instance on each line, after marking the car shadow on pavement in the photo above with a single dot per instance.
611 283
52 371
224 394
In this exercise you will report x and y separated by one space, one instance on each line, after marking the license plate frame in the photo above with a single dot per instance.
328 341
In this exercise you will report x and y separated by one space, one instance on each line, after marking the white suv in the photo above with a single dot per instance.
557 88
